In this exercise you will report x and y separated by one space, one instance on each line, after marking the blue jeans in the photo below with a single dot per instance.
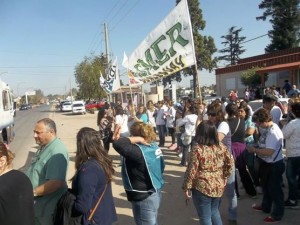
145 212
292 171
162 130
207 208
230 193
185 152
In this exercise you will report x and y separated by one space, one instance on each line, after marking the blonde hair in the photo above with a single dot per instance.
143 130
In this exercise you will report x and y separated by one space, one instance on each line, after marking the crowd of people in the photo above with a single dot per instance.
214 142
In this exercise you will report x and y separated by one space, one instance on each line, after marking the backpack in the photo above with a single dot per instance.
63 213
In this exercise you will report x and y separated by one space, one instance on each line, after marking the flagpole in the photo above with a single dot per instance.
130 86
194 55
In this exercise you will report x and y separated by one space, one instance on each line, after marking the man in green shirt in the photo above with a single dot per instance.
47 171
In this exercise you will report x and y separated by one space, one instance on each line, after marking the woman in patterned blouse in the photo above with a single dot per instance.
205 178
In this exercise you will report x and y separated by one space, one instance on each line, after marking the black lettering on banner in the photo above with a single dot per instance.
176 65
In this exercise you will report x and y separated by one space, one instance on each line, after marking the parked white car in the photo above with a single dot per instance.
78 108
66 107
255 104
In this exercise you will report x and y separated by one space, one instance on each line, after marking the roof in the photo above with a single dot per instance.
286 56
279 67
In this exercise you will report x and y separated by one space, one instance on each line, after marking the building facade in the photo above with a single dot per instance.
280 66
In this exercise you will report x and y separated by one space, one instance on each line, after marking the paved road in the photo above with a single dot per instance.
173 210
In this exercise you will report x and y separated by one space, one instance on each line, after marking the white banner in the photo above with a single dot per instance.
169 48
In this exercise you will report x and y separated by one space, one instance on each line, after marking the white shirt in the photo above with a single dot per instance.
171 117
160 117
272 138
122 120
291 133
224 129
189 122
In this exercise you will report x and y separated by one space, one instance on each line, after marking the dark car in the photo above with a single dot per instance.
24 107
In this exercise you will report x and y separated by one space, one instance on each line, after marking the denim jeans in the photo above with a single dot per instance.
207 208
185 152
162 130
145 212
271 179
230 194
292 171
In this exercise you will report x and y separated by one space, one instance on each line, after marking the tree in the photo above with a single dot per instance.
285 19
252 79
87 75
232 43
204 47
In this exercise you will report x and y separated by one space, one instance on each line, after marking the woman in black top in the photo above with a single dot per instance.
238 146
16 193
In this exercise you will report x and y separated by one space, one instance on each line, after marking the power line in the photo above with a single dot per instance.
254 38
127 13
118 11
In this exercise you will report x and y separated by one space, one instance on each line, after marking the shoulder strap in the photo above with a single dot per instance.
96 206
236 127
280 149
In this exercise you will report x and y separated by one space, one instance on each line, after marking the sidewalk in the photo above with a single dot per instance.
173 209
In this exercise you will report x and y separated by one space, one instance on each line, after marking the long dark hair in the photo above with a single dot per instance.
101 114
89 146
206 134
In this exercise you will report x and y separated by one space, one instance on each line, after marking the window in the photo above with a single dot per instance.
6 100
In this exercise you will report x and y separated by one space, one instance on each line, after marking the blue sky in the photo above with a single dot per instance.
41 41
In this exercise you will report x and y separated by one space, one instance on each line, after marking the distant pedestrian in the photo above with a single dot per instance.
287 87
161 122
151 113
105 128
47 171
294 92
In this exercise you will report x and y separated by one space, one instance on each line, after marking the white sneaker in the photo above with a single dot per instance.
180 155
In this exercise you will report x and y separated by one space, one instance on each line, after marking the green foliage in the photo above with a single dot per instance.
251 79
204 45
232 43
87 75
285 19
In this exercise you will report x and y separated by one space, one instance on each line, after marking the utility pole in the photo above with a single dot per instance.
106 43
107 53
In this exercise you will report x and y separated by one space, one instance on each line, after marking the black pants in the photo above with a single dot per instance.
172 134
106 143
